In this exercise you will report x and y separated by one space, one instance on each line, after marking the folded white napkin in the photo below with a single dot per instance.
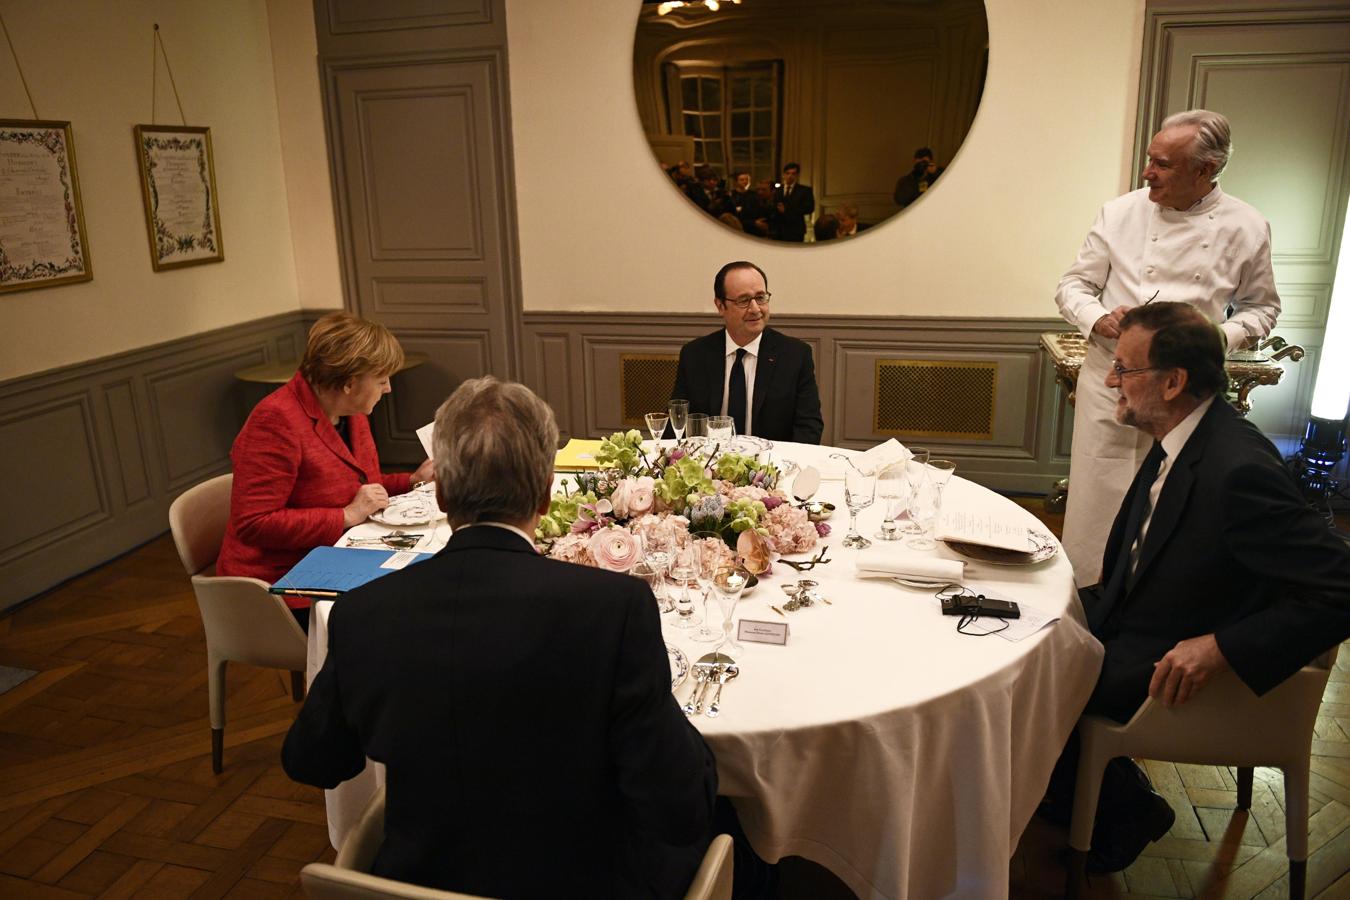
881 456
888 563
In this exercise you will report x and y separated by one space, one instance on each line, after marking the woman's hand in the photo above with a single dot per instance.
425 472
369 498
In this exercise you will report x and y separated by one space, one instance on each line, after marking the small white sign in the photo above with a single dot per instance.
425 434
398 559
762 632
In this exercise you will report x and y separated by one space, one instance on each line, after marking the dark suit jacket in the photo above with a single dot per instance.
796 207
523 708
1233 549
786 405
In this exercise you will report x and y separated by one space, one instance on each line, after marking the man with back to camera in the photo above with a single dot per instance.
447 672
793 202
1181 238
763 379
1214 560
916 182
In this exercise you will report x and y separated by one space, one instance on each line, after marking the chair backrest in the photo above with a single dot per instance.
197 519
712 881
324 882
1227 723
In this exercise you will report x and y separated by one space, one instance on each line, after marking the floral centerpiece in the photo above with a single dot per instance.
728 501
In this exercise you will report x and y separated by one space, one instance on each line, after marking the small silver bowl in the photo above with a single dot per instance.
818 510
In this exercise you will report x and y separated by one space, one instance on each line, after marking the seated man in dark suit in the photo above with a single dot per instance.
522 705
1214 561
760 377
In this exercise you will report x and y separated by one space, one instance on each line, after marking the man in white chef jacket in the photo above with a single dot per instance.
1180 238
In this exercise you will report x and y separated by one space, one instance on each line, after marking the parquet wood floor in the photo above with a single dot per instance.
106 787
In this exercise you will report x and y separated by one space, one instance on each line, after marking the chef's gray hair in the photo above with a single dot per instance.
1213 143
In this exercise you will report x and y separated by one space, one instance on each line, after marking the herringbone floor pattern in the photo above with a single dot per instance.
106 787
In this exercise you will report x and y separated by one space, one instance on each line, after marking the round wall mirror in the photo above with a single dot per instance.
808 120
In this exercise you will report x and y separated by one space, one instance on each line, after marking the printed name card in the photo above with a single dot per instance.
399 559
762 632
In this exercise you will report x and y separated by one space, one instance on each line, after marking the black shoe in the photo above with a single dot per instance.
1118 846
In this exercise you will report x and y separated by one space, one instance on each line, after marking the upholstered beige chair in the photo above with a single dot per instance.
1224 724
243 621
347 878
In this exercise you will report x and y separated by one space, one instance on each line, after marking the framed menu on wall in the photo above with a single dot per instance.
178 183
42 234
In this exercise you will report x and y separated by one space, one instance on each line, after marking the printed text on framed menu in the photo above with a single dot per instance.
42 234
178 182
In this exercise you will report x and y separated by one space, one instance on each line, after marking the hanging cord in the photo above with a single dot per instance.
157 40
22 80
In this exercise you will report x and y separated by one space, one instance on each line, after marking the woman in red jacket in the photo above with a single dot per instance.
305 466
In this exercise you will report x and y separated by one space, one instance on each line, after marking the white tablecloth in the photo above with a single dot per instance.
905 758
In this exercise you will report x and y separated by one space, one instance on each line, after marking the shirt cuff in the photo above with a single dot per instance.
1235 333
1088 316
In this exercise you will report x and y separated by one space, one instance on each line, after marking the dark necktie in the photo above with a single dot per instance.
736 391
1139 508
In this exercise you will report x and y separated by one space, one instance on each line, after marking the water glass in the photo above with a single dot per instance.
728 582
679 411
696 429
656 552
656 424
916 469
721 429
894 490
860 489
927 505
684 568
654 575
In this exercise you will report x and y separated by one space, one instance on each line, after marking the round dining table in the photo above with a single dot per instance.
879 742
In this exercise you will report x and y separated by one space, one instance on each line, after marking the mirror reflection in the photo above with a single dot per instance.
808 120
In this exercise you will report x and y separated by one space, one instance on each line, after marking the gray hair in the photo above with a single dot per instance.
1213 143
495 444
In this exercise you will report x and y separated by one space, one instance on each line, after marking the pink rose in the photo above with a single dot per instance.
615 548
633 497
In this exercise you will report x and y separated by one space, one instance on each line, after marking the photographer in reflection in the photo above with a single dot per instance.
919 179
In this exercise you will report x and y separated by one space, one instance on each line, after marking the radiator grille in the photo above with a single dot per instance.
645 383
935 398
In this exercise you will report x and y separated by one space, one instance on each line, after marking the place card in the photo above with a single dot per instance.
399 559
762 632
425 434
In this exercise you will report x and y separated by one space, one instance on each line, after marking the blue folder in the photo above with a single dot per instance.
329 571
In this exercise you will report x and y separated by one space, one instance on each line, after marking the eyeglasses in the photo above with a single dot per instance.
744 302
1121 371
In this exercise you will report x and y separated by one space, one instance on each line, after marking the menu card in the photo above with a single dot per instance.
987 529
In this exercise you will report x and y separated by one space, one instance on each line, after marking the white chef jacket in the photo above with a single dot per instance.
1214 255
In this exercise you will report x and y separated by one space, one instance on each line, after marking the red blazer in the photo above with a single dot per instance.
293 474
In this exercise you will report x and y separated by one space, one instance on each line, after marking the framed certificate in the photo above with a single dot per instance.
178 184
42 234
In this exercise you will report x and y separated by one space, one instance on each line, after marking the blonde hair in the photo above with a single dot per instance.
495 443
342 347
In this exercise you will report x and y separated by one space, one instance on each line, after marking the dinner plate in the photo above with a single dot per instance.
1046 548
921 583
679 666
413 508
749 445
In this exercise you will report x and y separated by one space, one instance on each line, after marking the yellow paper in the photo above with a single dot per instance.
578 454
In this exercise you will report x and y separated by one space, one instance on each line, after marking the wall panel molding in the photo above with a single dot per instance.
103 447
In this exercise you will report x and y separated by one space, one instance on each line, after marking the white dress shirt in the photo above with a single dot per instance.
750 363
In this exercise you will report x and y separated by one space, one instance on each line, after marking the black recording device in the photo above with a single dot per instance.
977 605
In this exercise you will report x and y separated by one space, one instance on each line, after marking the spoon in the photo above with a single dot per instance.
707 667
701 672
724 674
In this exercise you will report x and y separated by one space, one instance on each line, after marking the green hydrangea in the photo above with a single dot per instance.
683 482
744 514
563 510
622 450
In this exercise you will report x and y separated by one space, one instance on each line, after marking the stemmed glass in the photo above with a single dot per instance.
860 488
916 469
685 563
656 424
894 489
937 473
651 573
706 569
721 429
679 410
656 552
696 429
728 582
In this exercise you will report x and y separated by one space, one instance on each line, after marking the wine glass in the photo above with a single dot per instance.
656 551
653 575
721 429
708 565
940 472
860 488
696 429
656 424
728 582
927 504
894 489
684 567
915 469
679 411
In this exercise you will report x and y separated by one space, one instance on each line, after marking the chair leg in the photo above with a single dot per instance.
1244 787
1298 879
217 750
297 686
